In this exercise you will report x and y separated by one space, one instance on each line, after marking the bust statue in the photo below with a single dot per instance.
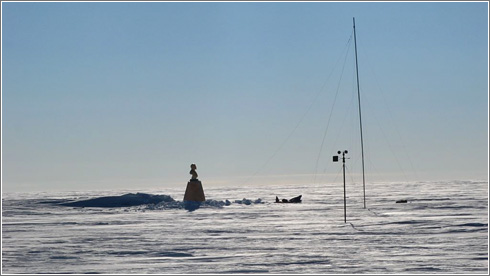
193 172
194 190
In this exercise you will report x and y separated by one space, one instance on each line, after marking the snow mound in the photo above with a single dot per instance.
193 205
126 200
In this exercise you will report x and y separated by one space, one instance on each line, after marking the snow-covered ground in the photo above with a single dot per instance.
443 228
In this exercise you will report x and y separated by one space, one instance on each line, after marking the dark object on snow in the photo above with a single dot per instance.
402 201
292 200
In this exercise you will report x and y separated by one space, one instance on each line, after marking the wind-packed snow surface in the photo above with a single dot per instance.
442 228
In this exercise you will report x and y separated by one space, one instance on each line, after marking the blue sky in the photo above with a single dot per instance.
126 95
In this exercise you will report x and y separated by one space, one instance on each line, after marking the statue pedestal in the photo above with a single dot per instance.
194 191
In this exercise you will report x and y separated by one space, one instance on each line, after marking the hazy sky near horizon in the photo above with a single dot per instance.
127 95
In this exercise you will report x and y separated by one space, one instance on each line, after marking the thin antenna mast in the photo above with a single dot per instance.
360 117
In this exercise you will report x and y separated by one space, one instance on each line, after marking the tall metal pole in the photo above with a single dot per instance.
343 170
360 117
